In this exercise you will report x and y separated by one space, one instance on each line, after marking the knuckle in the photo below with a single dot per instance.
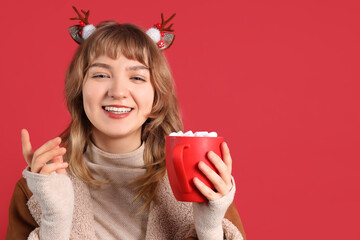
218 178
35 161
46 168
58 164
212 195
59 151
222 185
223 169
217 160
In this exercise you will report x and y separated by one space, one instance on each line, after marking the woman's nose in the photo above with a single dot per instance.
118 89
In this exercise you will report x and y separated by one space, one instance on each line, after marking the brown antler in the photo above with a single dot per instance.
81 18
163 23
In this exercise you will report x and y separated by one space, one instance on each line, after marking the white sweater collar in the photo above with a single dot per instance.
132 159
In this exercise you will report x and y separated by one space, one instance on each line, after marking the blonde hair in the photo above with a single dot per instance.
113 39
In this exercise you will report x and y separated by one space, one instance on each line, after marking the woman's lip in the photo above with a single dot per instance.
117 116
118 106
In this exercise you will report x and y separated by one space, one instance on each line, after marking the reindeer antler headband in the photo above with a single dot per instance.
160 34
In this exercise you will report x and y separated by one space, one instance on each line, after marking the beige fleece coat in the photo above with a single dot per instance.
168 218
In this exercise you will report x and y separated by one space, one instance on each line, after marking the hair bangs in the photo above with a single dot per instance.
126 39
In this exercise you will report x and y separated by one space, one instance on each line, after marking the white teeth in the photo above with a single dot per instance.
118 110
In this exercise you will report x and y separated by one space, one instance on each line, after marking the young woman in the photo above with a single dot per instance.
105 176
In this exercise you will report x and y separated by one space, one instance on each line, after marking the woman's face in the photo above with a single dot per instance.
118 97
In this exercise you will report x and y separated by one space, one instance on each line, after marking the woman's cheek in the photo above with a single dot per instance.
89 97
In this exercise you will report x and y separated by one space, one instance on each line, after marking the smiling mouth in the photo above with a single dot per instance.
117 110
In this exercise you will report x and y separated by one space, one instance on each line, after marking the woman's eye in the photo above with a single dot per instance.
138 78
100 76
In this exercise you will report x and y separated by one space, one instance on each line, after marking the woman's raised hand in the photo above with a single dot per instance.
46 159
54 192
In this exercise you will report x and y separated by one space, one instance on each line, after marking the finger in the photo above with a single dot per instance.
220 166
47 146
214 178
59 159
26 146
205 190
39 161
52 167
61 171
226 156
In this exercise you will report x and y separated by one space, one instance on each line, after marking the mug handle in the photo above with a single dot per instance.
179 167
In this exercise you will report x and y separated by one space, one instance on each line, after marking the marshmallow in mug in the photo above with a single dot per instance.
191 134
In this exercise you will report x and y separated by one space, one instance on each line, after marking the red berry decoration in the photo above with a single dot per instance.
80 32
161 44
162 34
158 25
82 24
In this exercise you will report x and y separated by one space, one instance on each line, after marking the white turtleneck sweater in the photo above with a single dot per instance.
114 213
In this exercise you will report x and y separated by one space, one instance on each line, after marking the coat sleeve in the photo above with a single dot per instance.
233 216
21 223
231 223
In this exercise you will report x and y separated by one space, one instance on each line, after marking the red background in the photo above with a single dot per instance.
278 79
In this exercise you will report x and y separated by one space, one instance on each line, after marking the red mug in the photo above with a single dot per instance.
183 155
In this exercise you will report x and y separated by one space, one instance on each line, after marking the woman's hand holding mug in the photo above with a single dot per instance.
208 216
222 181
198 174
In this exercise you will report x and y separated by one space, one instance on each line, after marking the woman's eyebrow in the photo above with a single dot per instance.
131 68
102 65
138 67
